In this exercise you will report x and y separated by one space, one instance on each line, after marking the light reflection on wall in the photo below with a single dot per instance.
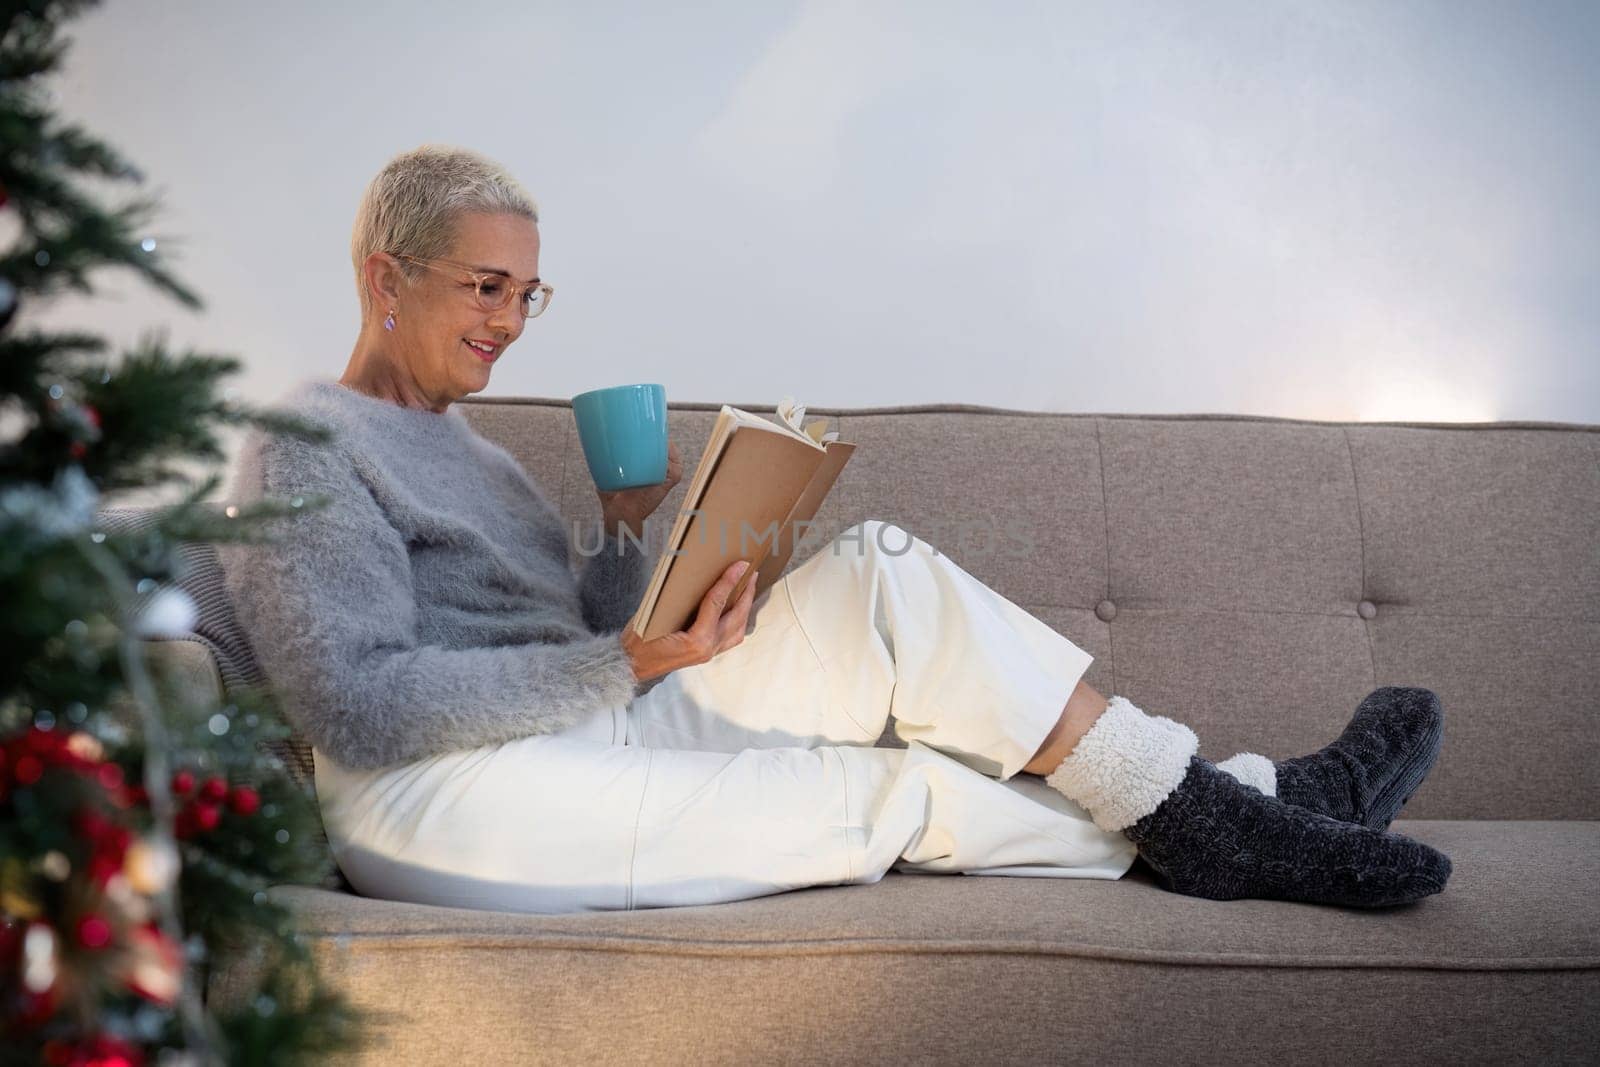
1420 398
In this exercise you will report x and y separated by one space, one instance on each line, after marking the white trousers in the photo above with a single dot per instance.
757 772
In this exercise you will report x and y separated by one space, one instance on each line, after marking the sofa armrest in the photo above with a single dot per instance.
186 666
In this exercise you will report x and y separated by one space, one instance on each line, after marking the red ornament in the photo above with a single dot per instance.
93 932
244 801
92 415
29 770
109 775
77 450
214 789
182 782
206 816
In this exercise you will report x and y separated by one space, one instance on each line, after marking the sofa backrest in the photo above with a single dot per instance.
1252 577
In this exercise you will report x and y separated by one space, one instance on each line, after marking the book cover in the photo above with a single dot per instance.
756 482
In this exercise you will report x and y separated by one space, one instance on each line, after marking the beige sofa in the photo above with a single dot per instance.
1253 577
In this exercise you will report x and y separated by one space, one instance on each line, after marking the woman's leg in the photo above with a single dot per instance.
779 732
1084 707
578 821
877 624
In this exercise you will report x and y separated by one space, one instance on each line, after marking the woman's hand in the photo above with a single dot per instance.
717 626
631 507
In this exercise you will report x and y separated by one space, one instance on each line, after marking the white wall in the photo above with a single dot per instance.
1320 209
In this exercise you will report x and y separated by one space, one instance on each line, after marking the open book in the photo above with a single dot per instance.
756 482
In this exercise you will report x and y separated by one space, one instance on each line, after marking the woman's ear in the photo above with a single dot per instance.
384 279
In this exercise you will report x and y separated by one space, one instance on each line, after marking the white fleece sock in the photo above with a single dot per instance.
1252 769
1126 765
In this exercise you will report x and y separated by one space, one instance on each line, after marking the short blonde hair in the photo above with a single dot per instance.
411 205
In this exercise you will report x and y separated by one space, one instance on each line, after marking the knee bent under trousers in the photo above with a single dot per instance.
757 772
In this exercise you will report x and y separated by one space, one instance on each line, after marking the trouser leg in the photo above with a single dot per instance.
873 625
576 822
762 775
716 827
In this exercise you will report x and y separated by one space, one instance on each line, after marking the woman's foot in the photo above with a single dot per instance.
1206 834
1219 839
1369 772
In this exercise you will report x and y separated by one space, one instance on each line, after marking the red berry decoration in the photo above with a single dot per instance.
214 789
109 775
77 450
182 782
244 801
93 932
29 769
206 816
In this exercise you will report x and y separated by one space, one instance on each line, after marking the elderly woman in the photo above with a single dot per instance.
487 734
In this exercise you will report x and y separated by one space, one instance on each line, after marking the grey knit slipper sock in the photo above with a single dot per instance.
1206 834
1369 772
1216 838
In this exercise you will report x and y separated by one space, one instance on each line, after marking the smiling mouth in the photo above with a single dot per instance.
487 355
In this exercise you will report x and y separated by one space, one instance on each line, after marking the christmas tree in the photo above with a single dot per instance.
139 828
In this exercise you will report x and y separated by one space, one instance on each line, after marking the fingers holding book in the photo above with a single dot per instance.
718 625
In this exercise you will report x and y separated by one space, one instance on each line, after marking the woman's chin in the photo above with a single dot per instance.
479 370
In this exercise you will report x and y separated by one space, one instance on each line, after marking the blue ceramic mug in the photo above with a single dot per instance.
623 430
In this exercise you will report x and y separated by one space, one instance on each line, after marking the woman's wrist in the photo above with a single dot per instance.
614 525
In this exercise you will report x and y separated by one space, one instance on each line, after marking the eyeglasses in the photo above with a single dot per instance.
494 291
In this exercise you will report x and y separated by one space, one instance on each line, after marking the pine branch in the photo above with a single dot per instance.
50 259
25 359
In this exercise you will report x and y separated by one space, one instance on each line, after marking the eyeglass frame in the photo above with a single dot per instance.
478 276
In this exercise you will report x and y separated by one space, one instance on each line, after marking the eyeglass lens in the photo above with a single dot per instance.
494 292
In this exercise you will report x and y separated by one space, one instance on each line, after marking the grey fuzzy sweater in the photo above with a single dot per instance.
431 606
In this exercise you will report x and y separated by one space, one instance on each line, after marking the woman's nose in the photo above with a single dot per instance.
508 321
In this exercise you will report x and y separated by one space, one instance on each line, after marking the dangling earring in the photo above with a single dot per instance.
388 323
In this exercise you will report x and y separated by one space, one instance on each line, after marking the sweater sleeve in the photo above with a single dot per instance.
329 607
613 583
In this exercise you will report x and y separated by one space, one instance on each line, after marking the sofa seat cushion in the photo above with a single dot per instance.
1504 966
1522 896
